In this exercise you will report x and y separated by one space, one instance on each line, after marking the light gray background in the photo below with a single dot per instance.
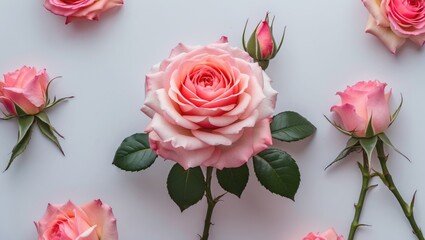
103 64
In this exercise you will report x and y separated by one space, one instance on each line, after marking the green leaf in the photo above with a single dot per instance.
134 153
278 172
352 145
368 145
24 137
233 180
387 142
291 126
185 187
48 130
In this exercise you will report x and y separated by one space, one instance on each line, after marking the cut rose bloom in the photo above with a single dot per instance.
80 9
330 234
25 88
362 103
394 21
92 221
210 106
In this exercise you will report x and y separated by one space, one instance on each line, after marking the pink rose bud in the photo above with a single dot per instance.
363 104
261 45
25 88
330 234
92 221
82 9
395 21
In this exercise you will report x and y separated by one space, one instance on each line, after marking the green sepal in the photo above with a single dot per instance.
369 130
384 138
243 37
278 172
351 146
397 111
24 137
412 202
185 187
368 145
253 44
290 126
339 128
134 153
48 130
57 101
276 50
233 180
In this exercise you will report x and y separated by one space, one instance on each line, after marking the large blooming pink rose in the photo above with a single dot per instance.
394 21
361 103
25 88
75 9
210 106
330 234
92 221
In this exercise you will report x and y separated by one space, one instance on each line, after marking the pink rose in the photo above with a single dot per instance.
265 38
24 88
330 234
394 21
92 221
362 103
210 106
80 9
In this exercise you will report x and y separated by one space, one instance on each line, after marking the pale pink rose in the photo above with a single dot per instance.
330 234
81 9
265 39
210 106
394 21
361 103
25 88
92 221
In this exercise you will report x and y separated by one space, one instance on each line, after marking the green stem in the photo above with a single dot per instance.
211 204
388 180
364 169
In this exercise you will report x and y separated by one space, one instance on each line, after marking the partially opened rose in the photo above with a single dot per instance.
394 21
80 9
362 103
92 221
210 106
330 234
25 88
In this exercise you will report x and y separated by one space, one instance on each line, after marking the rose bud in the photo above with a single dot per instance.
25 88
261 45
364 106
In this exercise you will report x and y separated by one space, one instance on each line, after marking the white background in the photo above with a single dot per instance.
103 64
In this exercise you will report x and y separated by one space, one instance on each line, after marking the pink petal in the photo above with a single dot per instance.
214 139
89 234
351 121
18 96
386 35
265 39
239 126
101 216
374 8
185 158
8 105
419 40
378 109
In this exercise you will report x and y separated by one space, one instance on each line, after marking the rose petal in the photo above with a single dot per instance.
89 234
101 215
18 96
377 107
374 8
350 119
214 139
419 40
235 128
386 35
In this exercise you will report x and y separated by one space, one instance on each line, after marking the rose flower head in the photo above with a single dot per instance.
364 109
80 9
395 21
261 45
92 221
210 106
25 88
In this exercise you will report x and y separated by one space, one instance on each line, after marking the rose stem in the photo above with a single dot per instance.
388 180
364 169
211 204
